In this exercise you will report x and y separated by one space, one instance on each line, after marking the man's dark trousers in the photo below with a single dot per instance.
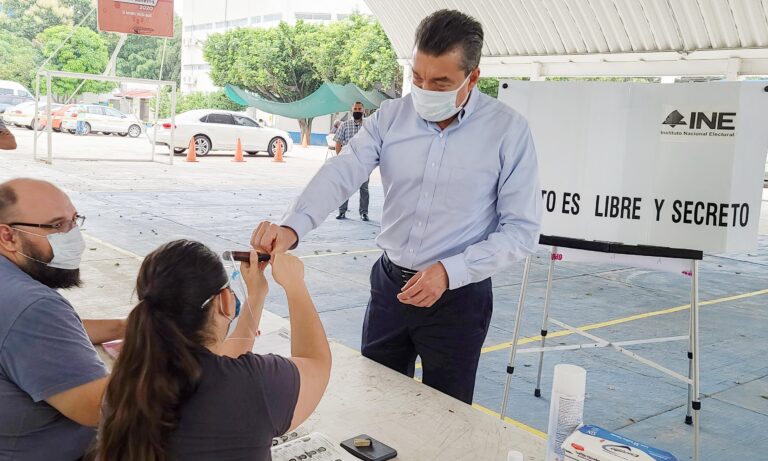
447 336
364 199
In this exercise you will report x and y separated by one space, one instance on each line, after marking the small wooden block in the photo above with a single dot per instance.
362 442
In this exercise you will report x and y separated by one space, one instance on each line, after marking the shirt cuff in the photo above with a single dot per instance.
300 223
457 270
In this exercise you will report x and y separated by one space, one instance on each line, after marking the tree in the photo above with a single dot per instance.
270 62
489 86
28 18
84 52
196 100
142 56
367 57
288 63
80 8
19 57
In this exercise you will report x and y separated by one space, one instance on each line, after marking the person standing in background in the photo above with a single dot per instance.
344 134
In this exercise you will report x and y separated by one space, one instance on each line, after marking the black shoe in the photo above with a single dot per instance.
364 217
341 216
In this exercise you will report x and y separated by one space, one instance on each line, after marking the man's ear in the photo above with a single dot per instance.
474 76
8 238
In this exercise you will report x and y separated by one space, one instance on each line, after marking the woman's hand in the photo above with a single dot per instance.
253 275
287 270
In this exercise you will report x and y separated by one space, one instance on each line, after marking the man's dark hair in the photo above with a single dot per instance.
8 198
444 30
358 102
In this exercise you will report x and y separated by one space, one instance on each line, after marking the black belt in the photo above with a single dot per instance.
401 272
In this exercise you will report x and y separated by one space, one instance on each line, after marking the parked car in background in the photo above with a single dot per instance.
218 130
9 100
10 88
24 114
57 117
101 119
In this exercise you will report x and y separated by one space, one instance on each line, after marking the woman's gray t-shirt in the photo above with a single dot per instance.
238 407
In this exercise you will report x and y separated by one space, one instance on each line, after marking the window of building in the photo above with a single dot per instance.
313 16
341 17
197 27
256 20
273 17
197 66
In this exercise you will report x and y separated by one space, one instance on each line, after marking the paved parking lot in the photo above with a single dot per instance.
134 207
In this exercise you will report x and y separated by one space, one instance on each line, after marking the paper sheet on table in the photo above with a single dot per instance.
276 342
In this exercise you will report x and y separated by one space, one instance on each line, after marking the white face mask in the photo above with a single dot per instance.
239 288
68 249
236 284
436 106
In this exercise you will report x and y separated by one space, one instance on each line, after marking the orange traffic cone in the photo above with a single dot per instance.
239 152
192 150
279 153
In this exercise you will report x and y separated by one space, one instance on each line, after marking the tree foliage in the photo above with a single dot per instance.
288 63
19 57
196 100
142 56
85 52
24 29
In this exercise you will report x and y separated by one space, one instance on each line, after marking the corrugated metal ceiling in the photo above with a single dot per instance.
548 28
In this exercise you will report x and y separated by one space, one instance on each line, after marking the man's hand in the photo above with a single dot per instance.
7 141
426 287
271 238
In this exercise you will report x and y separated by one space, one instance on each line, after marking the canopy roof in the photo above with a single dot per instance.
536 38
328 99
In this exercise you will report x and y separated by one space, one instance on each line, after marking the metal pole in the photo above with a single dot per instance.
37 104
689 409
173 120
154 125
545 320
50 131
515 336
162 59
695 403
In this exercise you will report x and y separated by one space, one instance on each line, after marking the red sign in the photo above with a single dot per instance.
139 17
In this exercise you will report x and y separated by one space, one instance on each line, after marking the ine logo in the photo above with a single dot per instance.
675 118
702 120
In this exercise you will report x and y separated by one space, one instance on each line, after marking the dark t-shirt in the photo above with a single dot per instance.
44 350
239 406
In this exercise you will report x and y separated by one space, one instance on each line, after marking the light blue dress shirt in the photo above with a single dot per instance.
467 196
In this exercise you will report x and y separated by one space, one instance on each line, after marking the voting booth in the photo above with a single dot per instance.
643 175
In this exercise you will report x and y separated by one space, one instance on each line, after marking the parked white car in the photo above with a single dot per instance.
24 114
218 130
101 119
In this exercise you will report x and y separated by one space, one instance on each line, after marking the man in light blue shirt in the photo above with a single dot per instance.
462 202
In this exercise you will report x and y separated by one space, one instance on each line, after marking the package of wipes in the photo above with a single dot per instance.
592 443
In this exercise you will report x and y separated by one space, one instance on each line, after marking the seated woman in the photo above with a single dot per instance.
181 391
